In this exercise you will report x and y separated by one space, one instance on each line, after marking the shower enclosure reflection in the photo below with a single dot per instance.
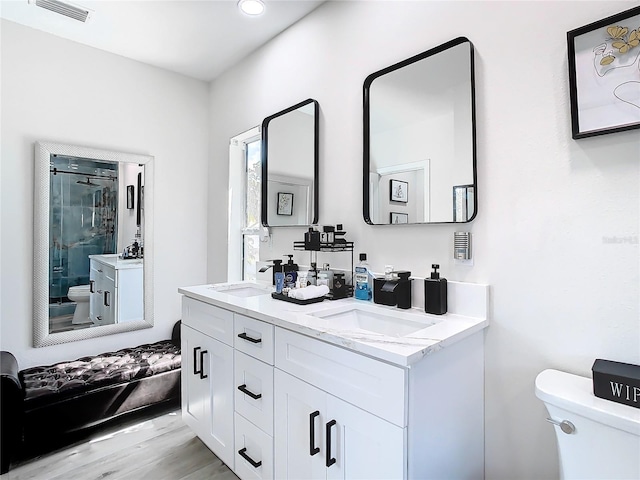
92 267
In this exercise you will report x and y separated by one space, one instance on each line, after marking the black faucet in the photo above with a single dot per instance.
277 267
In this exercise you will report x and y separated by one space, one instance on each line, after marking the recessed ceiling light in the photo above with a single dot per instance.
251 7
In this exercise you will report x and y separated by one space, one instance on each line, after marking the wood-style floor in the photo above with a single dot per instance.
162 448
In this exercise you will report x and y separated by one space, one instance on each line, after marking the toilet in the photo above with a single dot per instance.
597 438
80 294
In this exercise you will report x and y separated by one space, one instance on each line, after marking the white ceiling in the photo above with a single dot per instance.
197 38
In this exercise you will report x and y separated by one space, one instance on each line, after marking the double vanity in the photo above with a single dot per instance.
337 389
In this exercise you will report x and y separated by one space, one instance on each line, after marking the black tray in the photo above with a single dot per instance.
286 298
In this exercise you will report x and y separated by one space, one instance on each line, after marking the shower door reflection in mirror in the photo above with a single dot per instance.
94 260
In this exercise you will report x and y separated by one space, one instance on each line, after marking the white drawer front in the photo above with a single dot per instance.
369 384
253 377
254 338
213 321
253 443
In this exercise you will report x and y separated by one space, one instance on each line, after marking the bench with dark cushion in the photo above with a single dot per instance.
41 405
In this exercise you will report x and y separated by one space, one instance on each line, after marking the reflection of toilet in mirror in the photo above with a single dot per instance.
80 294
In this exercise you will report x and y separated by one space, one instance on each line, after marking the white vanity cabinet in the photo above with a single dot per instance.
207 376
116 286
279 403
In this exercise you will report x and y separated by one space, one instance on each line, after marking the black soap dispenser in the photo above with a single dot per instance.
435 293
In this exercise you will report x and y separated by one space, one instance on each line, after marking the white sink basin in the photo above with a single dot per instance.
242 289
384 322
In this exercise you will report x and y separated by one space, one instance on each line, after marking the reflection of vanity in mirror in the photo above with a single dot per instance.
290 166
419 136
92 229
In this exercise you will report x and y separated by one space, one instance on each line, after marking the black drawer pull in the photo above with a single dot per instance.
92 286
243 389
248 458
202 354
107 298
195 361
246 337
330 460
312 433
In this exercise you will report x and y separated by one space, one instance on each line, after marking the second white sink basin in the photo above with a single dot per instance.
384 322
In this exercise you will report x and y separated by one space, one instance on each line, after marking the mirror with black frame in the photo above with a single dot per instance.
290 166
419 139
93 220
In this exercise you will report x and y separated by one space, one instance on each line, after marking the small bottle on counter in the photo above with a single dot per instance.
361 283
435 293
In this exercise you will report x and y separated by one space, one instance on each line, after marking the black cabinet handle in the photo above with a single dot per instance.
195 362
243 454
91 286
107 298
312 433
202 354
243 389
330 460
246 337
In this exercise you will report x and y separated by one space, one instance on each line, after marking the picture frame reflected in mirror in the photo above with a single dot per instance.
398 191
396 218
285 203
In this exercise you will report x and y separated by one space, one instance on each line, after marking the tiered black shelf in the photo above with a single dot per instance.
326 247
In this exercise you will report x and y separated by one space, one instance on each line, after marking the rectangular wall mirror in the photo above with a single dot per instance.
290 166
419 139
92 254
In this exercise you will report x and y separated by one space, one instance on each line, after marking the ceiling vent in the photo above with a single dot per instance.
64 8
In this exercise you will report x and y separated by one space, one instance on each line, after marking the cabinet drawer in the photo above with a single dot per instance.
369 384
253 378
254 338
212 321
254 451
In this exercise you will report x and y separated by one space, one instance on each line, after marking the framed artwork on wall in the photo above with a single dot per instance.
398 191
604 81
285 204
397 218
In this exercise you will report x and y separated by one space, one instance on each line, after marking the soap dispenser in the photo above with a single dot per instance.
290 270
435 293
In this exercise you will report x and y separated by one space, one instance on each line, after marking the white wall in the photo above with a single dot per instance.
556 235
57 90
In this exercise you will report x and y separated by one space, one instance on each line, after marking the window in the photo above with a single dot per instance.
251 229
244 205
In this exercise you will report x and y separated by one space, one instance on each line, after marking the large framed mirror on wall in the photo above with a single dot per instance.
93 250
290 166
420 139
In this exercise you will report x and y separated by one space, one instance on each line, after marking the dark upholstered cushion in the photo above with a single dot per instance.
67 379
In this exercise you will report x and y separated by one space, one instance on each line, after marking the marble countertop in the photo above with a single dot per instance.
114 260
402 350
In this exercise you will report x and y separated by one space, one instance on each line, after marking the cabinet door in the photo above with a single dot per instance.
299 423
195 389
207 391
130 295
108 295
95 298
360 445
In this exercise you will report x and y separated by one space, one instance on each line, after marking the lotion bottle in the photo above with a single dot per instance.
435 293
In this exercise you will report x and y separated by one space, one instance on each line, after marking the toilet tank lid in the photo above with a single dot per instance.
575 394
